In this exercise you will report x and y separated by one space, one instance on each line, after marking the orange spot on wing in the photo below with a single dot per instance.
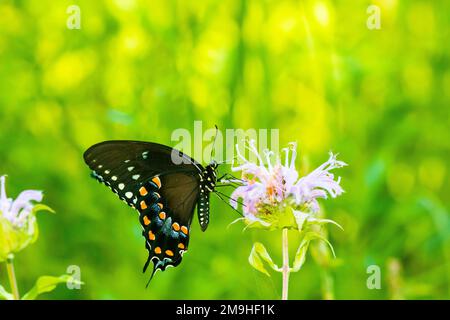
151 236
157 250
162 215
184 230
160 205
143 205
143 191
176 226
146 220
181 246
169 253
157 181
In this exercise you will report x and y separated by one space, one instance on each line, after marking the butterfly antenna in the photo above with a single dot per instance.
229 160
213 153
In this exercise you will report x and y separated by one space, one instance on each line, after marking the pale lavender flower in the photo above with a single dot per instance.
274 184
318 184
274 196
17 212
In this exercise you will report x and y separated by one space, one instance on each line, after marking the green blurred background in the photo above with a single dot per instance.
140 69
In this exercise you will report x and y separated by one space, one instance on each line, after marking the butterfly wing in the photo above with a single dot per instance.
166 204
161 183
125 165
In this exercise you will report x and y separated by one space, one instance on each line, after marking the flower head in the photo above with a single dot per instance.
17 212
18 226
271 187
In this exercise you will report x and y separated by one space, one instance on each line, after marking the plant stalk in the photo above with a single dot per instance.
285 268
12 277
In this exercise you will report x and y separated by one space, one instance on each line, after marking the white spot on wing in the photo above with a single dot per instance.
121 186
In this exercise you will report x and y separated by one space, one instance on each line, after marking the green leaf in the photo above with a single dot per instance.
47 284
300 218
5 295
38 207
324 221
300 256
316 235
257 255
42 207
286 218
257 224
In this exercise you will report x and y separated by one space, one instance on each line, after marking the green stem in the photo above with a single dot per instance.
327 285
12 277
285 269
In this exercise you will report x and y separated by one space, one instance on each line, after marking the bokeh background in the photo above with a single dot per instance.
312 69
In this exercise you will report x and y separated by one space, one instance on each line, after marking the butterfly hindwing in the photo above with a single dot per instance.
166 205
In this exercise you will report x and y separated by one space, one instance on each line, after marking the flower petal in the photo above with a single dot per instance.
23 201
5 202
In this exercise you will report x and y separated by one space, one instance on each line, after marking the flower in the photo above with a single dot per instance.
275 197
18 211
268 190
18 226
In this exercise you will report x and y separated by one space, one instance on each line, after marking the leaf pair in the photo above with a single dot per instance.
259 254
256 257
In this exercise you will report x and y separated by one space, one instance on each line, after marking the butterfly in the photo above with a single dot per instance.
164 185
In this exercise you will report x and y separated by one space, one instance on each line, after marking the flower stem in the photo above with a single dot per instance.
12 277
327 285
285 269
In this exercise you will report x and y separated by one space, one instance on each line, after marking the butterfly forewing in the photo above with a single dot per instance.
123 165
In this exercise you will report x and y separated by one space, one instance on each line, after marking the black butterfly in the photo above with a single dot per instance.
164 185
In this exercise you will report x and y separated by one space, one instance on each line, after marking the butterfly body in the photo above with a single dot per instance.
207 184
150 178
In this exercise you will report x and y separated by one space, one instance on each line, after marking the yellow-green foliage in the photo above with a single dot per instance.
140 69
